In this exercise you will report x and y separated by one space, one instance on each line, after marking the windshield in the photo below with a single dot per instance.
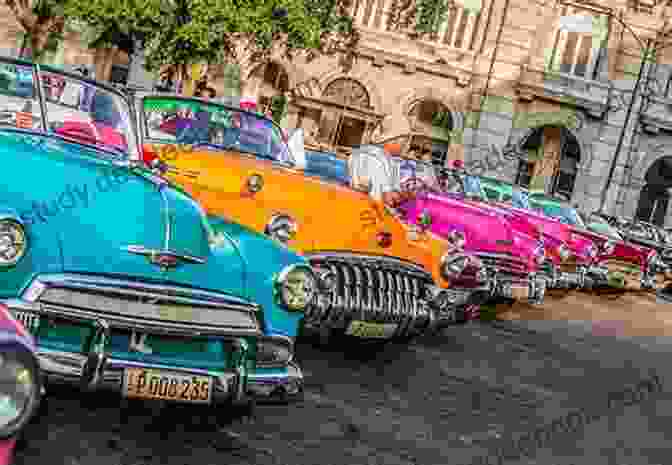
179 120
76 109
563 213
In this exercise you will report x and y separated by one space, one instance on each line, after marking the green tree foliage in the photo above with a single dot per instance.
215 31
41 20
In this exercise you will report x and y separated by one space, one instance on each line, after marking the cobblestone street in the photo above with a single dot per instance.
444 400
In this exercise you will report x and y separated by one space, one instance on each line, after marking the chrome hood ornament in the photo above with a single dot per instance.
166 259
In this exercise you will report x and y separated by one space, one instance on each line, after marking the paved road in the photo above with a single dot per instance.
441 401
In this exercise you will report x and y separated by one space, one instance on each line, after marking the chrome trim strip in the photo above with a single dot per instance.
392 261
138 289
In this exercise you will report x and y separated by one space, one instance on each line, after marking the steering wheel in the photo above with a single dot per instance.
414 185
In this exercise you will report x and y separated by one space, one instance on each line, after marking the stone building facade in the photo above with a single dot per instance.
535 92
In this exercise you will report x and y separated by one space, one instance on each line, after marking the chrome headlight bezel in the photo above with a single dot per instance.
13 349
563 252
452 265
457 239
281 227
608 247
7 226
285 282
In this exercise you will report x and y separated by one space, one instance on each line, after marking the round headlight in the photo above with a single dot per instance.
297 287
13 242
19 388
452 265
563 252
457 239
608 248
282 228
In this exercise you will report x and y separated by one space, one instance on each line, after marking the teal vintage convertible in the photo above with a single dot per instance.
123 280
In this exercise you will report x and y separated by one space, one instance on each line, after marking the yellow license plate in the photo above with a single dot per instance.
142 383
520 292
371 330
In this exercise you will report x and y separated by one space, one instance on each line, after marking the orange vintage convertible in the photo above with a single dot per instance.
390 281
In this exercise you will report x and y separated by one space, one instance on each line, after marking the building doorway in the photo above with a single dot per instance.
655 195
552 161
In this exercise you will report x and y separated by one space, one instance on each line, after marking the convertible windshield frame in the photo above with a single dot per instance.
139 96
38 72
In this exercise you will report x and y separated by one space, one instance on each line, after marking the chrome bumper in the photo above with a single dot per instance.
97 370
567 280
536 289
283 386
70 368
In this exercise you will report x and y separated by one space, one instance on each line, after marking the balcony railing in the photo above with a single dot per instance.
588 94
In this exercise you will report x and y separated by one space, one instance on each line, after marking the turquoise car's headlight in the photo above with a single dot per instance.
19 388
296 286
13 242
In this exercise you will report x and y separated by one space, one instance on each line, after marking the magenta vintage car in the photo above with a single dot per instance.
511 259
617 259
20 383
566 260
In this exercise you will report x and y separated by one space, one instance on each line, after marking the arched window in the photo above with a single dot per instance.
338 126
349 92
552 163
430 122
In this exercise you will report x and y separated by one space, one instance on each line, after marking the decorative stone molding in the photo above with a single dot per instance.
455 105
658 115
591 96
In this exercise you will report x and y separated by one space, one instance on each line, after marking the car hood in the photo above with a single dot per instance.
97 209
484 230
578 244
330 217
622 250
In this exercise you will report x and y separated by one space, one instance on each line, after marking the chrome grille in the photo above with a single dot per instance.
373 289
504 264
30 321
139 306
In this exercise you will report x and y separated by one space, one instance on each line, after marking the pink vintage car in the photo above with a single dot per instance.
511 258
566 258
617 259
